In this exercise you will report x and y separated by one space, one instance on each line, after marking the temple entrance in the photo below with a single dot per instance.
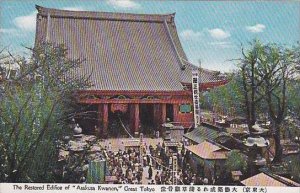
117 120
170 112
147 125
87 118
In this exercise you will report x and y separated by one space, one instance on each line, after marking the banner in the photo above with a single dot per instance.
195 89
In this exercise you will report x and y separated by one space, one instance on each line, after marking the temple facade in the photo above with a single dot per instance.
136 64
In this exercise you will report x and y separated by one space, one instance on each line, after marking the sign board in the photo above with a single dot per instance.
96 172
141 147
196 92
185 108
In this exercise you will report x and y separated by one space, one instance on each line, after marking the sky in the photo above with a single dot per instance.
210 31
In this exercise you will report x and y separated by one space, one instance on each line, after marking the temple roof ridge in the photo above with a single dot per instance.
169 17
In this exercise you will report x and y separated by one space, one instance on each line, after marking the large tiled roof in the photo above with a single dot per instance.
207 150
121 51
200 134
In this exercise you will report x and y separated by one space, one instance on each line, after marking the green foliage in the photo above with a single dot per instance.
236 161
294 96
270 60
35 106
294 166
226 99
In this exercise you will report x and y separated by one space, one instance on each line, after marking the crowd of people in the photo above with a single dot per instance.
125 165
155 164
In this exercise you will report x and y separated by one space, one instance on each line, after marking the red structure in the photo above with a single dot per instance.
137 66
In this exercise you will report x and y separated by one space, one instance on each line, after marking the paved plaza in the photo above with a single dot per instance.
117 144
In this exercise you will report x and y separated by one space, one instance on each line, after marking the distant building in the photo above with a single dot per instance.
264 179
202 133
208 158
137 66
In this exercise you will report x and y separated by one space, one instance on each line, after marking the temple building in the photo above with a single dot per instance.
137 66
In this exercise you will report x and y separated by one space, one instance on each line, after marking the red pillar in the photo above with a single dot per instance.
131 118
134 118
163 113
105 120
175 112
156 115
100 120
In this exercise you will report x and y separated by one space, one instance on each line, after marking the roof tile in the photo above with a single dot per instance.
121 51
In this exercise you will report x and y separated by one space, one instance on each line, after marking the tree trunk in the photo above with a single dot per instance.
249 100
278 148
252 103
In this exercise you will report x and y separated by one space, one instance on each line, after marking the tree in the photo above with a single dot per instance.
236 161
276 68
227 97
294 97
266 72
267 82
250 81
35 106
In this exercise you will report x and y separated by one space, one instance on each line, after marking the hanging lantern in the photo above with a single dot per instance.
119 107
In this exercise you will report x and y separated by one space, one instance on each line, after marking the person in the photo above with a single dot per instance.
138 176
199 181
97 131
141 170
158 147
145 146
157 178
193 179
158 161
109 147
205 181
163 177
150 172
145 160
148 160
151 149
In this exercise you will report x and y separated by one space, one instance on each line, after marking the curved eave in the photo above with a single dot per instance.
209 85
135 92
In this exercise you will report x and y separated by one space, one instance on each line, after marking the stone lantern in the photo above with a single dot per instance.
77 130
236 175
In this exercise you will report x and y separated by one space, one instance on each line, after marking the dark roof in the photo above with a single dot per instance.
121 51
208 150
202 133
269 179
